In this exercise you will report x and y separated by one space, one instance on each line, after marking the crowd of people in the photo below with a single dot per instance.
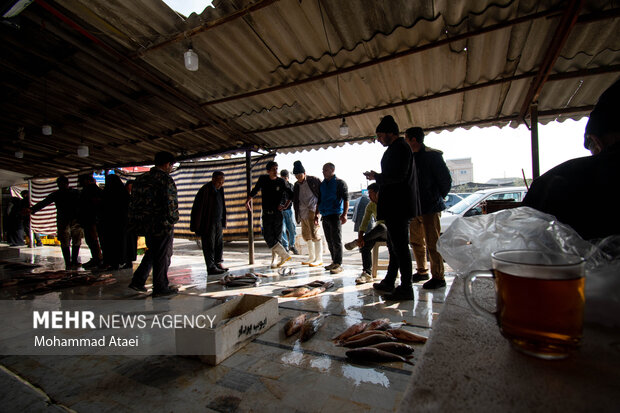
403 208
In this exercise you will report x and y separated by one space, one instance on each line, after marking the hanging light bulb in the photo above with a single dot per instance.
46 130
82 151
344 128
19 154
191 59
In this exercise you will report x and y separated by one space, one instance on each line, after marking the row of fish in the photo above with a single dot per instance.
307 290
307 326
378 341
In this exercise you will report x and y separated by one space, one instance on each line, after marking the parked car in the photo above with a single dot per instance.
452 199
470 205
352 204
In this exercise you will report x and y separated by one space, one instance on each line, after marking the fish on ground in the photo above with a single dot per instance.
404 335
378 324
293 325
401 349
351 331
368 341
297 292
310 327
365 334
374 354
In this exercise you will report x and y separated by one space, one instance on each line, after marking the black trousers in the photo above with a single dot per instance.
333 235
272 227
376 234
398 247
213 245
157 257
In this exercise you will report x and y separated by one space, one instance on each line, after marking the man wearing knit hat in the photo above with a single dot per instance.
398 203
305 200
578 192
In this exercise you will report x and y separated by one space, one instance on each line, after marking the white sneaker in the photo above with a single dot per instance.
364 278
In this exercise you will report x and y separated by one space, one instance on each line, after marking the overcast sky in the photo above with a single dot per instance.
495 153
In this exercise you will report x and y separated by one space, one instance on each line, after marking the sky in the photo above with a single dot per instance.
186 7
495 152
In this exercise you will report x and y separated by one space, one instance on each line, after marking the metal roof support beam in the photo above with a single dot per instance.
609 14
534 135
206 26
248 179
565 25
562 76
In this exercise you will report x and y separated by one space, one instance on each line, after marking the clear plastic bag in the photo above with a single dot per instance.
468 243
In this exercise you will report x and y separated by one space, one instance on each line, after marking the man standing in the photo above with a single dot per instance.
276 198
153 211
434 183
366 239
208 219
91 198
397 204
333 205
67 228
288 225
305 200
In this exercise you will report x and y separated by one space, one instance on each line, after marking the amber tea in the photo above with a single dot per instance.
540 300
540 315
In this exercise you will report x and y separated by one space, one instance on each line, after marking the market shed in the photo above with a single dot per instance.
283 75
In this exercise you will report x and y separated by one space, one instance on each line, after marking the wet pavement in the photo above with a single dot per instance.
271 373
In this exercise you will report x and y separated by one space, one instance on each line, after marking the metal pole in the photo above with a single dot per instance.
534 132
30 218
248 177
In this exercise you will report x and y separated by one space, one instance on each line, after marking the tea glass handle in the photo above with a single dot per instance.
469 292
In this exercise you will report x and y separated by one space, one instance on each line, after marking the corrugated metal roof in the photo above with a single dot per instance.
281 74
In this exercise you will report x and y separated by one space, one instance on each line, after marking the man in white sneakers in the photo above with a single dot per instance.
305 200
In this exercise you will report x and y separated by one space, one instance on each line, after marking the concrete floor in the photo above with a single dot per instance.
271 373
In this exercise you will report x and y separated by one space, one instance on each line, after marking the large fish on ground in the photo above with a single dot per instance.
378 324
374 354
310 327
294 324
297 292
401 349
368 341
351 331
317 290
365 334
404 335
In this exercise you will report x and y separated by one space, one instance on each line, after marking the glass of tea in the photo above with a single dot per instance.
540 300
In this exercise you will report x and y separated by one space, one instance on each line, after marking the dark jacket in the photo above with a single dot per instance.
153 206
434 180
91 199
314 183
66 201
398 183
203 209
580 193
332 194
274 192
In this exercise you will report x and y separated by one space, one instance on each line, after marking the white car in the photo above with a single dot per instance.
470 206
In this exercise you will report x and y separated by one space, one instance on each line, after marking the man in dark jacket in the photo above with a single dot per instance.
578 192
91 198
305 199
208 220
398 203
153 211
67 228
434 183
